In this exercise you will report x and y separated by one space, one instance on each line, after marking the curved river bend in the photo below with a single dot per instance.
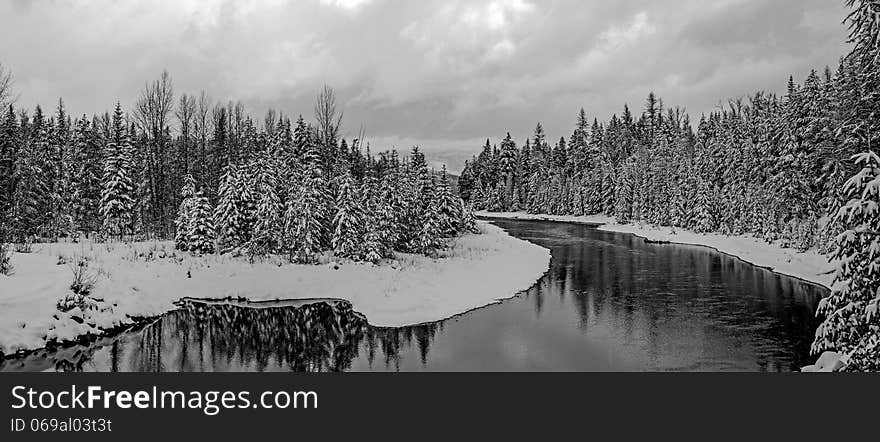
609 302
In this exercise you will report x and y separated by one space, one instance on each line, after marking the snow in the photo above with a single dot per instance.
810 266
141 280
828 361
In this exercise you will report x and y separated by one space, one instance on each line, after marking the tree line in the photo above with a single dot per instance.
219 181
799 170
768 166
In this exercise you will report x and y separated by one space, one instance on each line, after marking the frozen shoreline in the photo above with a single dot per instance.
809 266
145 279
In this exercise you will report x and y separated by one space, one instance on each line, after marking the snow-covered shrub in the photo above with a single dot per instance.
80 316
84 280
73 301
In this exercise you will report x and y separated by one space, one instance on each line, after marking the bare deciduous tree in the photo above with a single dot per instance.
151 114
328 123
269 121
185 113
6 97
154 105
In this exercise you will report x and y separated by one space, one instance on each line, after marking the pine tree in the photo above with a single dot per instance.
233 216
63 222
42 159
200 233
448 206
852 323
375 246
268 227
27 185
348 222
182 222
117 197
429 236
373 249
467 222
306 213
8 154
87 176
507 167
389 212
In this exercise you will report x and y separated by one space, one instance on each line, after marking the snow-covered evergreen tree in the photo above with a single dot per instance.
429 235
306 213
348 222
201 236
389 212
852 320
117 198
8 153
87 175
182 222
234 214
373 248
467 222
448 206
270 211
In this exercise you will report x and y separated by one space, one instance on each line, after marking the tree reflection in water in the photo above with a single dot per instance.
319 336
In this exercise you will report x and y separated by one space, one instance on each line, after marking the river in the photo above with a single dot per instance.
609 302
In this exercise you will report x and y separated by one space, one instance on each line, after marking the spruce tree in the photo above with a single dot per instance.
117 197
852 324
348 222
467 222
389 212
373 248
448 206
428 239
306 213
87 176
182 222
200 236
234 213
28 187
8 153
269 214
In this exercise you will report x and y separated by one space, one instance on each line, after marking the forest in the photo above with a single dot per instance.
219 180
769 166
798 170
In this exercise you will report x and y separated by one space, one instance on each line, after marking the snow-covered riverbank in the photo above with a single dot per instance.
809 266
145 279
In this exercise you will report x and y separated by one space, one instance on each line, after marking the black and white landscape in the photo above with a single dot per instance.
346 185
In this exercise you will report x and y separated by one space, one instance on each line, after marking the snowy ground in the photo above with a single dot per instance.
810 266
145 279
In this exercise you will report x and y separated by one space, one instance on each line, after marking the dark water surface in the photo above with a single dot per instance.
609 302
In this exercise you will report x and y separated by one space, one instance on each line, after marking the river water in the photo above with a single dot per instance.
610 302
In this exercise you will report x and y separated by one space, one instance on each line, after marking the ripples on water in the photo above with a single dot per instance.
609 302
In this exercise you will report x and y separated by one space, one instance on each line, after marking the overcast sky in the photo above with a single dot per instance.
440 73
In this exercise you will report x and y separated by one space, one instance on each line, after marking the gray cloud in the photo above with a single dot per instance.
443 74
